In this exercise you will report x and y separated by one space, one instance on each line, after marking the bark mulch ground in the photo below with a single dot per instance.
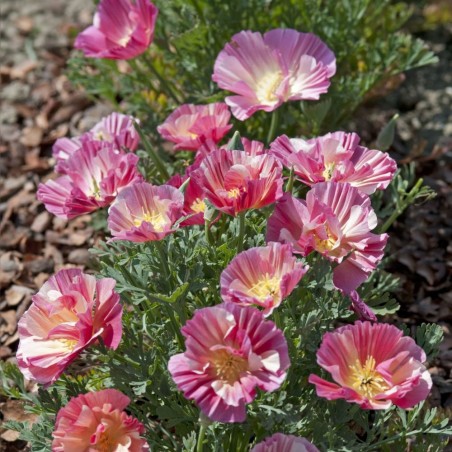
39 105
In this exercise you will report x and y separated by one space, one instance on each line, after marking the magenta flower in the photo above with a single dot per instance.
190 126
261 276
96 421
234 181
250 147
335 220
121 30
119 130
63 148
93 179
373 365
114 131
284 443
265 71
145 212
194 205
231 350
70 312
337 157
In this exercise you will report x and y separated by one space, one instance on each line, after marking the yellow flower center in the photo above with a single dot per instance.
324 245
198 206
95 191
266 87
100 136
157 220
266 287
234 193
228 367
366 380
68 343
328 171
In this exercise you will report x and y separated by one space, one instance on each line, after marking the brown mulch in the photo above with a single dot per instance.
39 105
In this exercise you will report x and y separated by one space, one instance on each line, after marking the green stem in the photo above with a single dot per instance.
409 198
175 325
273 126
202 433
153 154
242 227
208 232
163 259
289 186
164 83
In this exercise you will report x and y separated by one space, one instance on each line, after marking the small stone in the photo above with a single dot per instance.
79 257
39 265
31 136
15 294
41 222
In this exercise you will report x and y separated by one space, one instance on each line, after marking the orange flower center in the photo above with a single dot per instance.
366 381
268 286
105 443
228 367
198 206
266 87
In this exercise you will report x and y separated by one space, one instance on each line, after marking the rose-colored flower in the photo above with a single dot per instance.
194 205
119 130
63 148
284 443
250 147
190 126
373 365
231 350
145 212
234 181
262 276
265 71
96 421
93 179
114 131
121 30
337 157
335 220
70 312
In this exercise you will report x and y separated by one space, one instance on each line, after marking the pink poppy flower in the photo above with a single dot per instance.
63 148
335 220
114 131
70 312
234 181
373 365
194 205
337 157
265 71
119 130
121 30
93 179
231 350
284 443
189 126
261 276
250 147
97 421
145 212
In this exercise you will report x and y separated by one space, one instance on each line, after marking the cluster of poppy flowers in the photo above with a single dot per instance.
232 348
